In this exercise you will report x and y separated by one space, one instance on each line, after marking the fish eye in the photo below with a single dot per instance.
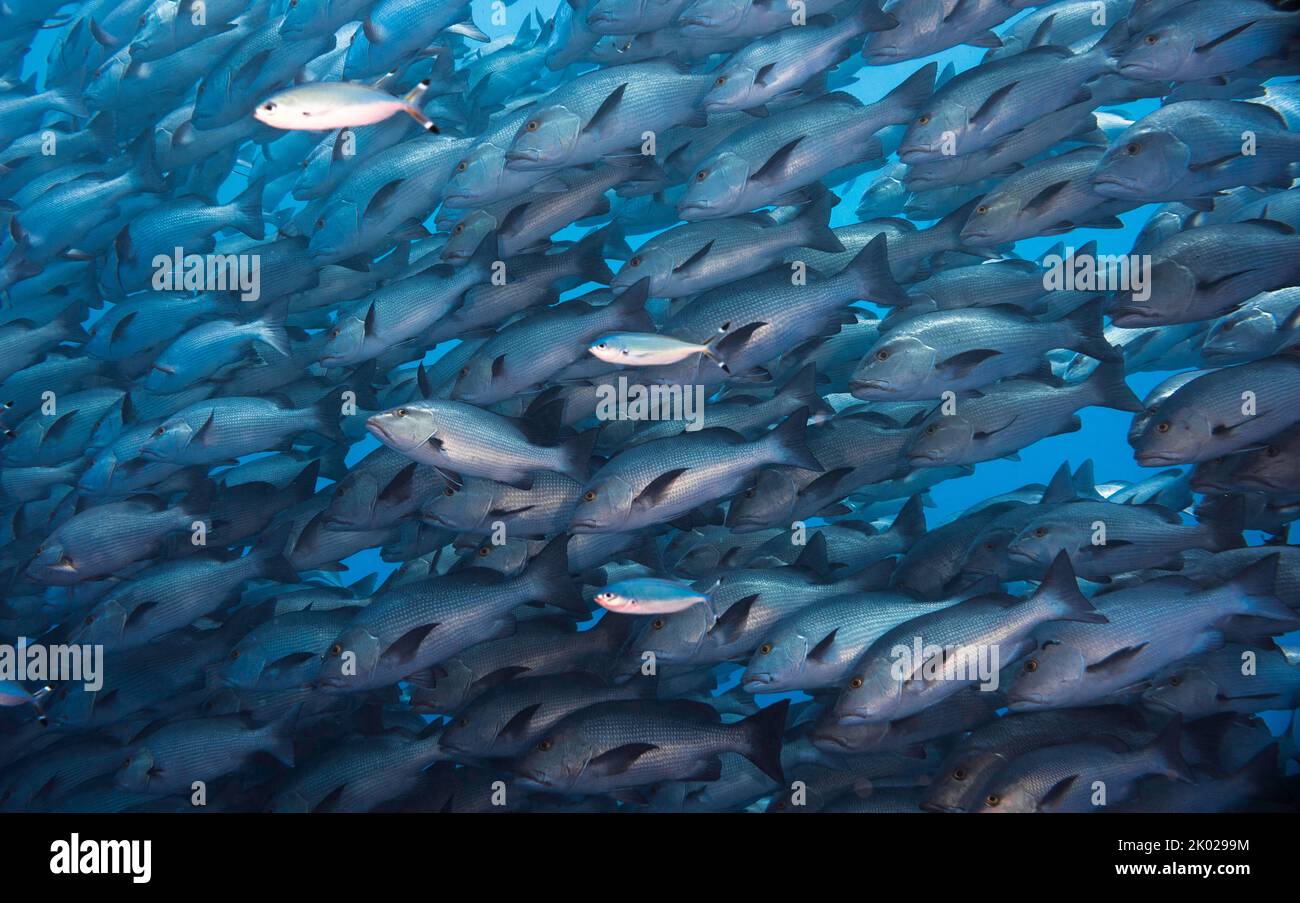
234 654
336 650
1040 532
959 774
657 623
856 682
320 223
982 209
992 799
721 80
448 491
634 262
126 763
627 46
589 495
600 344
882 355
749 493
765 649
1162 426
1133 149
1152 38
401 412
462 721
532 125
626 352
701 175
90 619
988 547
1271 451
158 432
1031 666
484 551
268 106
545 744
462 166
924 120
932 429
1175 681
459 228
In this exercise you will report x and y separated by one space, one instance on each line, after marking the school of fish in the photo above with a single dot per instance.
426 406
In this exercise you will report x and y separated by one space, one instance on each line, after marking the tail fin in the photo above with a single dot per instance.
411 98
1060 591
790 438
870 17
1166 747
874 280
727 343
813 223
905 100
1226 523
909 523
548 574
802 387
1110 390
281 733
764 733
327 414
147 175
247 208
270 326
1257 582
577 454
1090 333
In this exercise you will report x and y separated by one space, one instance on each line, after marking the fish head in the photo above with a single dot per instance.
927 135
104 625
715 189
1007 795
98 477
614 17
893 368
776 662
546 141
610 348
107 82
1186 689
245 664
404 428
874 692
604 505
1171 292
646 263
445 688
1174 437
1041 540
1269 468
315 167
352 506
466 235
940 440
610 49
474 731
465 508
156 34
672 638
1143 163
556 761
1240 336
704 17
474 381
477 177
169 440
1158 53
734 88
336 232
283 111
987 554
953 788
918 23
1052 675
53 564
301 16
619 596
351 659
771 500
994 219
137 770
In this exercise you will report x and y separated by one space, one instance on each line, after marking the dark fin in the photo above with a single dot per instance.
764 733
1226 36
1061 588
1057 792
823 647
1167 744
990 104
606 109
909 523
403 649
549 571
732 621
657 489
709 770
577 454
774 168
1111 389
802 387
875 280
1118 658
1227 523
791 436
813 557
694 259
399 487
1060 488
1087 323
912 92
619 759
960 365
517 726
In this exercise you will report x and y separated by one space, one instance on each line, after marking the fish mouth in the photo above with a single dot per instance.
525 159
851 720
1115 186
876 385
535 779
585 526
924 458
1130 69
1132 314
1156 459
376 428
759 681
940 807
1020 555
917 153
1025 701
